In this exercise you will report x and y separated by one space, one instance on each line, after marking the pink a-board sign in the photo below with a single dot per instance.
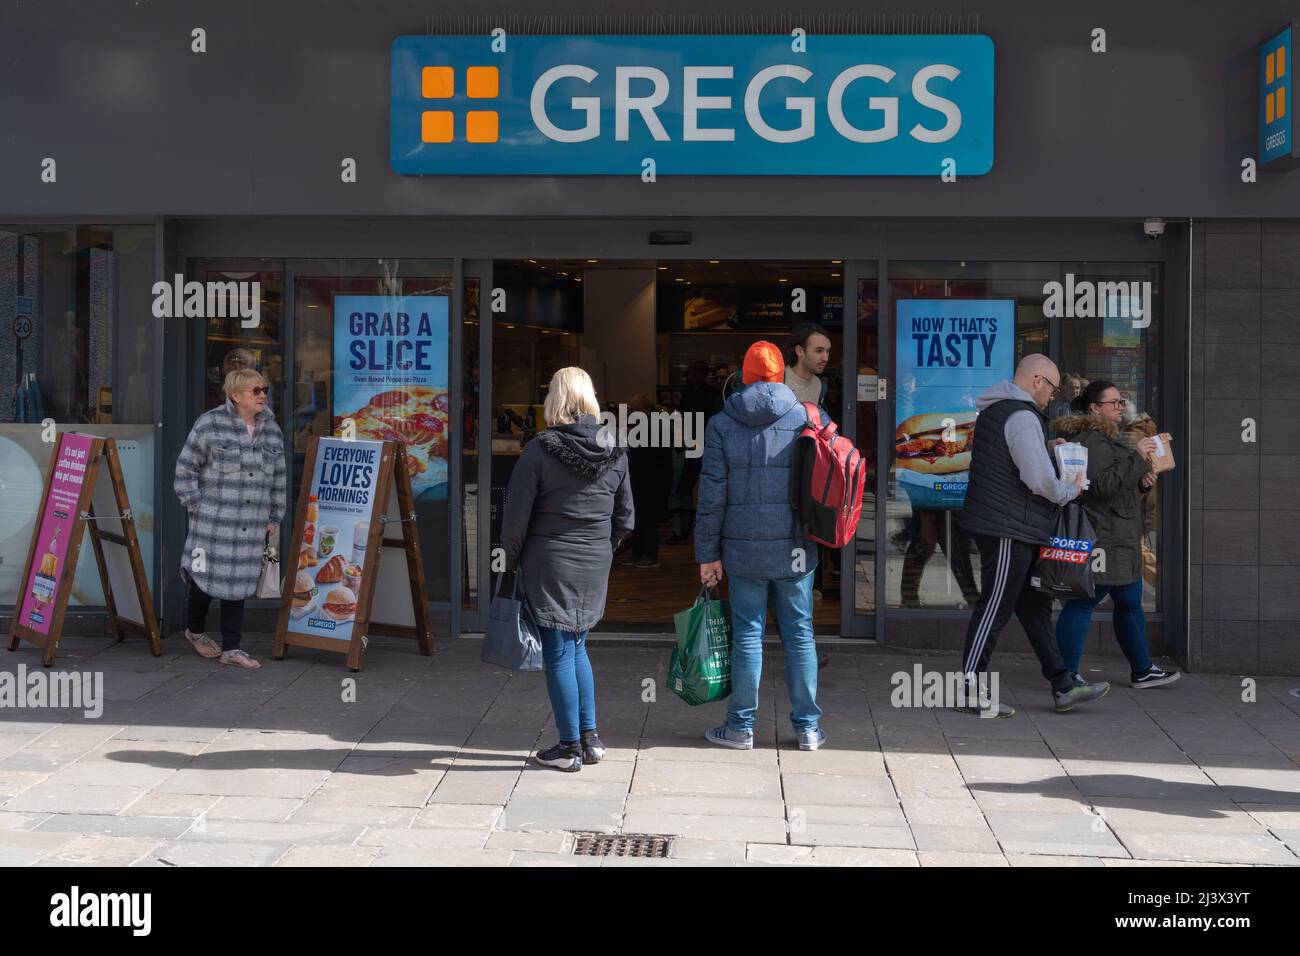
49 560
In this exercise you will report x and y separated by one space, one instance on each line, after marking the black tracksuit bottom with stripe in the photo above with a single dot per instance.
1005 567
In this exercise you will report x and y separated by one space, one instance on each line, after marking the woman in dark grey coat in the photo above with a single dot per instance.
1117 476
568 505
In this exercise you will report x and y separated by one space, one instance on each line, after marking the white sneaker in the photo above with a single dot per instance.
811 739
724 736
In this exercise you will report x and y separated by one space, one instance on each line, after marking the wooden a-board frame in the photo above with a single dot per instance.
85 520
392 470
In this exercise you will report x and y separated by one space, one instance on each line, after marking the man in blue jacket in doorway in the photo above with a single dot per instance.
744 524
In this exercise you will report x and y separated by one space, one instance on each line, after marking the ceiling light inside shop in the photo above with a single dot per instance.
836 262
680 279
835 275
713 262
663 268
593 260
533 261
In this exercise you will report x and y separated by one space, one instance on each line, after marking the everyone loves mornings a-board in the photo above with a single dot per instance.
342 563
80 496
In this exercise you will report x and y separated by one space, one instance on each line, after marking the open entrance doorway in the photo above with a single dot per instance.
658 337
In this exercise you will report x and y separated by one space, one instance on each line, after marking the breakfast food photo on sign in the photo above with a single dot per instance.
304 594
331 572
340 603
935 443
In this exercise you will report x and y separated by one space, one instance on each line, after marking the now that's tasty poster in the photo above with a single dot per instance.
948 352
390 379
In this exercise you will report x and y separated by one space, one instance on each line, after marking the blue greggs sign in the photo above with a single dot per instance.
696 105
1276 103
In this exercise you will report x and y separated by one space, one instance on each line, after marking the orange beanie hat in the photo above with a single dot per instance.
763 363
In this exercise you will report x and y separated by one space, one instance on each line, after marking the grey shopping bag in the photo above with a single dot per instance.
511 640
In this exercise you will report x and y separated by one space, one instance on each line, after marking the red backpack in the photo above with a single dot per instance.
827 479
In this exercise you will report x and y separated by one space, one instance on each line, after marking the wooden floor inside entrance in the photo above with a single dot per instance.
649 597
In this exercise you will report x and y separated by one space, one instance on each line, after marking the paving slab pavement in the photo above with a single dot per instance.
194 765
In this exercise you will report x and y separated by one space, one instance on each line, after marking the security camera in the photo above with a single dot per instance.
1154 228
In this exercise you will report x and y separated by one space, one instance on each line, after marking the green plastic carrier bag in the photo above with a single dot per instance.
700 669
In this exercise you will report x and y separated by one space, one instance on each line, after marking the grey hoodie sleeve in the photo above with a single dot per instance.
1025 441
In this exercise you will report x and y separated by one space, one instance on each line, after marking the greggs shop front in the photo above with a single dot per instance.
412 242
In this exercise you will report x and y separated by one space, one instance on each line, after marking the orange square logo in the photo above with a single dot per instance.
437 82
481 126
482 82
437 126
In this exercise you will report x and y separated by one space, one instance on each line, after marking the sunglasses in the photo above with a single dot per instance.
260 390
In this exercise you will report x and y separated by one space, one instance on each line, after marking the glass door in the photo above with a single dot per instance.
474 418
865 388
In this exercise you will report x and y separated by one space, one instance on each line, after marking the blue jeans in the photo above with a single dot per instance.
792 604
1130 625
569 683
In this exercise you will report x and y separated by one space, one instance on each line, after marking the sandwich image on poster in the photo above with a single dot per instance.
332 557
948 352
390 379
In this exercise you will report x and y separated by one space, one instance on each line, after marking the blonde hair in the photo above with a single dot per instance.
570 395
240 379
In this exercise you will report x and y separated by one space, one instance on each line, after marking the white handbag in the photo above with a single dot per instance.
268 582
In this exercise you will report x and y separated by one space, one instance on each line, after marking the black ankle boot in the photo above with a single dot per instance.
593 748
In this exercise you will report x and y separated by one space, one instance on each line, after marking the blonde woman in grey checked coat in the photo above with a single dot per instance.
231 479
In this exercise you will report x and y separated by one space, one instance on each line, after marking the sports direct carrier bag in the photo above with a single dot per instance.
827 478
1064 566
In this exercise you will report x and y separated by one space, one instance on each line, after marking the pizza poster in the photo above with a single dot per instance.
332 554
391 378
948 352
57 520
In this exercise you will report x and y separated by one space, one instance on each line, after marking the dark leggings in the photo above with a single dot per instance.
232 616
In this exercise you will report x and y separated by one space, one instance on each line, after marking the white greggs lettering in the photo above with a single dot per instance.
693 104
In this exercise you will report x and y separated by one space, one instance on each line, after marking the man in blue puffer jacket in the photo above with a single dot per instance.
745 525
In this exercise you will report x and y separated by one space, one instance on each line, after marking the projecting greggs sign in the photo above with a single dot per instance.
692 105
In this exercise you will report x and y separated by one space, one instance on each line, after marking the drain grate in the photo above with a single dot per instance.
621 844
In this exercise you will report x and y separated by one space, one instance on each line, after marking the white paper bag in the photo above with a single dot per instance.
1072 459
268 582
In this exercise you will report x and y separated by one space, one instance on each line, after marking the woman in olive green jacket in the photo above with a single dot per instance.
1117 477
